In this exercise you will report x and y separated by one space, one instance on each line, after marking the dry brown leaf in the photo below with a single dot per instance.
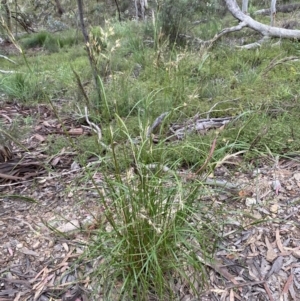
296 253
65 246
47 124
39 137
231 295
288 283
28 252
278 242
271 254
276 267
55 161
274 208
76 131
268 291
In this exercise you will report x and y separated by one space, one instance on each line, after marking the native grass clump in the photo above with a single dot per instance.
155 233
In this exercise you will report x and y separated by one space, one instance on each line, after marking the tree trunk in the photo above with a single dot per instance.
245 6
86 38
273 12
286 8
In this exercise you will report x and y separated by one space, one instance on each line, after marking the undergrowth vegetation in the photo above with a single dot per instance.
154 225
154 229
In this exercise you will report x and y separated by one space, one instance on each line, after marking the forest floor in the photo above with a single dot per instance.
49 210
49 204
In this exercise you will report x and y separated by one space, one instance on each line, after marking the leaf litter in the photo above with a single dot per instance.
45 230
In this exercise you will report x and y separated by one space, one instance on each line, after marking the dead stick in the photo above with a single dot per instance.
213 146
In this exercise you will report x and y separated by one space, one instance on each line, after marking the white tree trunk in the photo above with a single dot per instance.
273 12
266 30
245 6
136 10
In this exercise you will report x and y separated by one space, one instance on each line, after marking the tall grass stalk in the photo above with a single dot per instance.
153 233
14 42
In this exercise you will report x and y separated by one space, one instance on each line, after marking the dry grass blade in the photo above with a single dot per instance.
5 153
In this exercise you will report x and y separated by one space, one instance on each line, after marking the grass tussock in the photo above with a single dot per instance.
155 233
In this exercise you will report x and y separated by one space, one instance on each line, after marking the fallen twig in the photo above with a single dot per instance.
213 146
6 58
156 123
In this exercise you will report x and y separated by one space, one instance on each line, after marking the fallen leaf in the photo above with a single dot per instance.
271 254
278 242
288 284
296 253
76 131
55 161
29 252
276 267
47 124
66 247
297 176
74 165
39 137
231 295
274 208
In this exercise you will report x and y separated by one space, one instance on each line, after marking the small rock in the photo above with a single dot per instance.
256 172
250 202
79 251
57 248
297 176
70 226
276 186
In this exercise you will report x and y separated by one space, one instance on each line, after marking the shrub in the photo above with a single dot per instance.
175 15
34 40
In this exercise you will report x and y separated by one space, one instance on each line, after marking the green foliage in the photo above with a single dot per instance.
51 42
153 230
272 129
34 40
142 81
173 16
156 224
21 86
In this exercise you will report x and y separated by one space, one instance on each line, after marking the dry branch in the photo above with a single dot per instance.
287 8
274 63
265 30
